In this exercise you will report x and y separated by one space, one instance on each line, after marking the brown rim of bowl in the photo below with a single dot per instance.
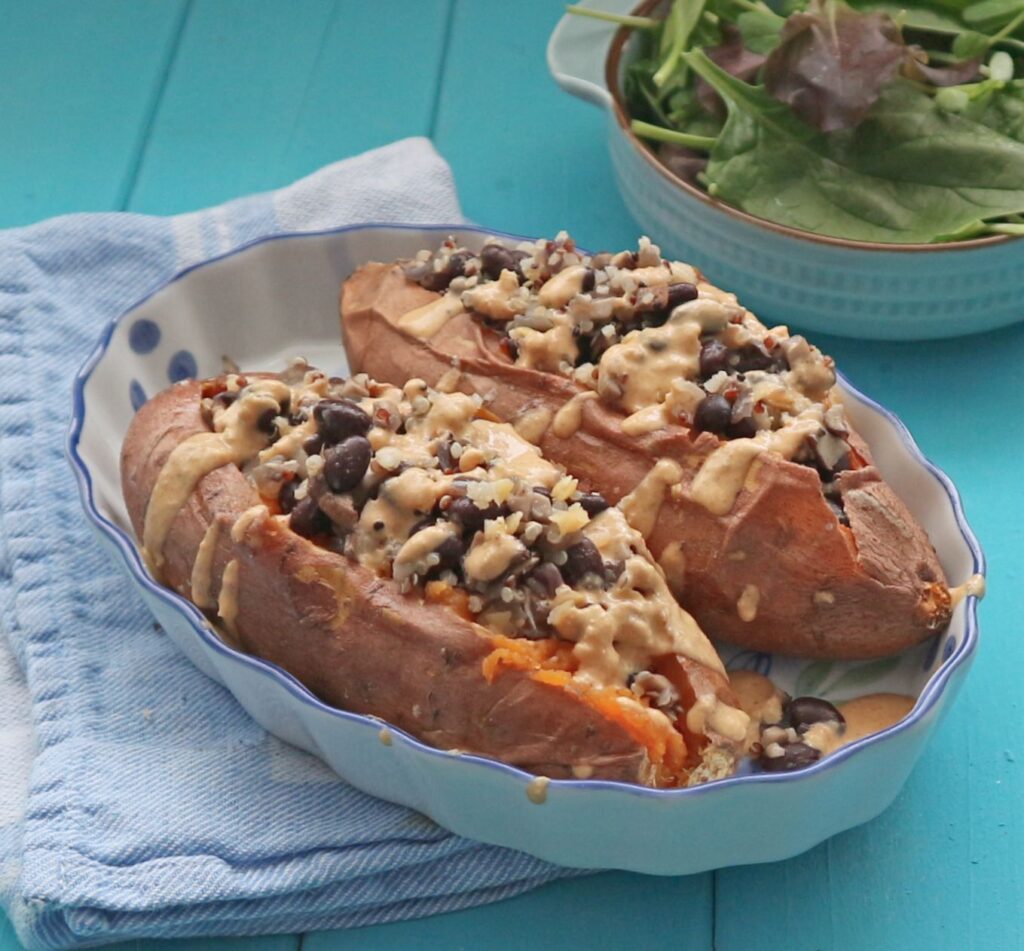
615 51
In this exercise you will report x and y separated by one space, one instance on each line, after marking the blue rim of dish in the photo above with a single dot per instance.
123 543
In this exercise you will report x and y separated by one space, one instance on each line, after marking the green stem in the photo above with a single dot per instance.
702 143
1007 229
1009 28
634 23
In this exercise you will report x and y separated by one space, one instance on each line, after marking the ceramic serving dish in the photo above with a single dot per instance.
278 298
830 285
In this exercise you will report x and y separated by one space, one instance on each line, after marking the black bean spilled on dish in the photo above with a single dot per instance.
794 756
339 419
803 712
346 464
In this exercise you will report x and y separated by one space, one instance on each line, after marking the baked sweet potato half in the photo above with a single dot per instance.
724 441
404 555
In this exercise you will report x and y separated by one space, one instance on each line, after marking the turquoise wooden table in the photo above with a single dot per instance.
169 105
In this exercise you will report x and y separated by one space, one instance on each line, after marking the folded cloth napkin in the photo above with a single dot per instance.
136 797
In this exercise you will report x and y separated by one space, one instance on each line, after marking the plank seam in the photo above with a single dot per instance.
446 42
132 177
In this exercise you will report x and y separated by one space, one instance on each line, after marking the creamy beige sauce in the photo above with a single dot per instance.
622 628
251 516
710 714
560 289
427 321
532 424
673 563
238 439
723 473
763 702
492 299
746 605
973 587
227 602
202 567
537 790
492 552
569 417
642 505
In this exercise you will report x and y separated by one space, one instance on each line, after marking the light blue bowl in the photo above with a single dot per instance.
850 288
284 292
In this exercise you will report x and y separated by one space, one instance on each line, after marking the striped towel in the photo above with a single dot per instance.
137 799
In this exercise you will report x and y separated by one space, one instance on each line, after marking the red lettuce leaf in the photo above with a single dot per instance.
832 63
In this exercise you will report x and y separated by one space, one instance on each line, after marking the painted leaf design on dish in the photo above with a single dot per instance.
855 679
812 678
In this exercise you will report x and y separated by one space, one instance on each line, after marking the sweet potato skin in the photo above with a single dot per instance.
823 590
351 637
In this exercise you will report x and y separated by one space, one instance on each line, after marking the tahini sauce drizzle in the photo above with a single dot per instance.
569 417
202 567
973 587
642 505
238 440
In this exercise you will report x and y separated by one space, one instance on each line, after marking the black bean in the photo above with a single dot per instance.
286 495
612 571
743 428
455 267
313 445
443 452
494 259
544 579
265 423
751 357
307 520
714 357
346 464
225 398
681 293
713 415
450 552
794 756
805 711
297 418
589 280
338 419
582 559
592 503
465 513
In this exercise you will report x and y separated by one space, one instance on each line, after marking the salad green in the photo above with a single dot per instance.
870 121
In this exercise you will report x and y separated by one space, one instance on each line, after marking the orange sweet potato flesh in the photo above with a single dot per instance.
355 641
824 590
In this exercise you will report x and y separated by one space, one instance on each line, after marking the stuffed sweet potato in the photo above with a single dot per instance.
723 441
406 556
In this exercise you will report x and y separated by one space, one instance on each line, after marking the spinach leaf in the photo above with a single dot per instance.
908 173
1002 110
760 30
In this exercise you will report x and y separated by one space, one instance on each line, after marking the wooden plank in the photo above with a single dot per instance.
77 84
940 869
261 93
611 910
527 157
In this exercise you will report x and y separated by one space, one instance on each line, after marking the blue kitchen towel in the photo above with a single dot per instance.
136 796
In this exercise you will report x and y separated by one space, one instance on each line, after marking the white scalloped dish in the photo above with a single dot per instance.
276 299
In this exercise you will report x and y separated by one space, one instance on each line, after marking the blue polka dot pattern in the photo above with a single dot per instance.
182 366
144 336
136 394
